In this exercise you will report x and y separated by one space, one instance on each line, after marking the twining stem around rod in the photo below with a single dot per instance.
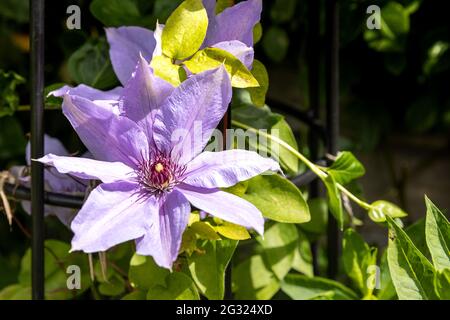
312 166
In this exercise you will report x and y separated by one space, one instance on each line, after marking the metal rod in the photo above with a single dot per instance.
332 121
37 146
50 198
313 58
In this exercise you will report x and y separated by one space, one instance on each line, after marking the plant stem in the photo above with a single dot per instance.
302 158
312 166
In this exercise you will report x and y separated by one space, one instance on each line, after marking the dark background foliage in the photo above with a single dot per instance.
395 102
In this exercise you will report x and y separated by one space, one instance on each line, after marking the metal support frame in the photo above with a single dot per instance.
332 120
318 132
37 146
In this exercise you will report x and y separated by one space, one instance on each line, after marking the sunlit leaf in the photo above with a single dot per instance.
277 198
211 58
437 234
165 69
185 30
258 94
208 267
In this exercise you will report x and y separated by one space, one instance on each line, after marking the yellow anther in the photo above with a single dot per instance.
159 167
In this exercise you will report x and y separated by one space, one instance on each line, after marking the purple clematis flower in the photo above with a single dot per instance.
151 164
231 30
53 181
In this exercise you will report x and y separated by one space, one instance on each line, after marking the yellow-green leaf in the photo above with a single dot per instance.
204 230
257 33
165 69
278 199
211 58
258 94
194 217
381 209
232 231
185 30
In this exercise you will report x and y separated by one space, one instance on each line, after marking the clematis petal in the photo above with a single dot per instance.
84 168
126 44
111 215
143 94
225 206
236 23
65 215
157 34
51 145
88 92
163 238
108 137
225 169
210 7
186 120
239 50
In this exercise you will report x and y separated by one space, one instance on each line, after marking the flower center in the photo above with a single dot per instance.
159 174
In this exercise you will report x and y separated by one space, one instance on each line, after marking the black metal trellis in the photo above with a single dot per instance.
329 133
37 146
332 119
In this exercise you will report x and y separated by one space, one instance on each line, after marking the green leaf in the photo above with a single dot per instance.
165 69
442 284
232 231
211 58
204 230
185 30
303 259
386 290
178 286
116 13
300 287
9 98
264 119
144 273
280 243
135 295
208 267
113 287
358 257
276 43
287 160
411 272
257 33
258 94
16 292
90 65
57 258
258 118
277 198
437 234
346 168
382 208
318 208
252 280
416 232
334 200
395 23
